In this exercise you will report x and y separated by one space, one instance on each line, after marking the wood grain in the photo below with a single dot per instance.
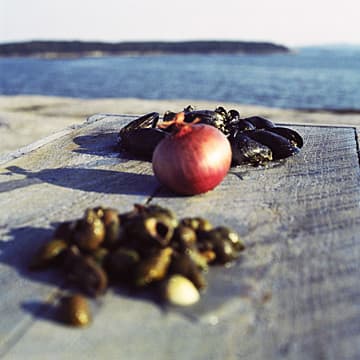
293 294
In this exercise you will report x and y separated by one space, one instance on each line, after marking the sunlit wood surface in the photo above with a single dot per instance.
294 293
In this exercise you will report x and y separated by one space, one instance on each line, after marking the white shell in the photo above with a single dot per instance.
181 291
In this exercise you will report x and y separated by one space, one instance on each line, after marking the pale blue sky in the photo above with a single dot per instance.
293 23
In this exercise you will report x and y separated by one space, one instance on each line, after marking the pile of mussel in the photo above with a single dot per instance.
254 140
147 247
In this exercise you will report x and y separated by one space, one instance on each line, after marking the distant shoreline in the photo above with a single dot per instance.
57 49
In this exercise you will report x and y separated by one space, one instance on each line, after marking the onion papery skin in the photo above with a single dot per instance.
193 160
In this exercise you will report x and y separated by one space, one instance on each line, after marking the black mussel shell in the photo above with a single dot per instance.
290 134
260 122
146 121
246 150
205 116
243 125
169 115
234 115
221 110
236 125
280 146
215 118
189 108
142 142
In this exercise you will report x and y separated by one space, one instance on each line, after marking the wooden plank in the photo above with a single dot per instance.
294 293
300 221
50 184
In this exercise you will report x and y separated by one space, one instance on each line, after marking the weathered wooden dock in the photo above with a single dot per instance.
294 293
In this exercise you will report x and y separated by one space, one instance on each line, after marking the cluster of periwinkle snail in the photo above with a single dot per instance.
147 247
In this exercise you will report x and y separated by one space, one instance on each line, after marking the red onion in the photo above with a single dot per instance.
192 160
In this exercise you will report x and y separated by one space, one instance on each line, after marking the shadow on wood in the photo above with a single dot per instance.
101 144
85 179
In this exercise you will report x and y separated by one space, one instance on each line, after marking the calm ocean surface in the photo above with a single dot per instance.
315 78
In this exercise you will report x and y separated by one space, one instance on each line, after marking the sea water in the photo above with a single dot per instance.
308 78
